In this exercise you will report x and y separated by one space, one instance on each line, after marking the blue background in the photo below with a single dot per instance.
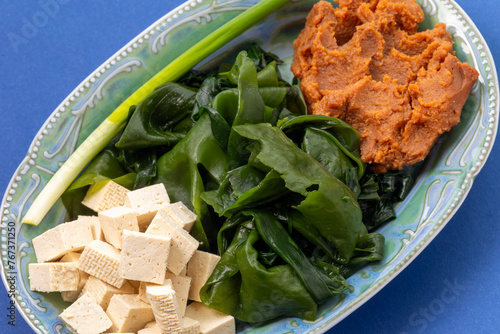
452 287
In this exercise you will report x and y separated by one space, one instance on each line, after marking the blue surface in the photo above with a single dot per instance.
452 287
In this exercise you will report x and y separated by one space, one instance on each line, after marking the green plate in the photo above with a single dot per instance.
442 186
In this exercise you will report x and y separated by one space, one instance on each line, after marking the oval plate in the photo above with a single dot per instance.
440 189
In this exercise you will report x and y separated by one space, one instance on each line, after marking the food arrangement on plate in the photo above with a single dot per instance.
237 190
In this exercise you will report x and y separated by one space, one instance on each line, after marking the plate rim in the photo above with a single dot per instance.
377 285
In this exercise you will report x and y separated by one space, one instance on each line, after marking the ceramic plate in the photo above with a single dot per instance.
442 186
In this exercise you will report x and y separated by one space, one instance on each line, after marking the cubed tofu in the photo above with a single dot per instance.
114 221
211 321
182 246
144 256
68 237
151 324
142 292
105 195
154 329
182 273
190 326
146 202
85 316
166 310
54 276
181 215
102 260
95 225
128 313
200 268
181 285
71 296
102 291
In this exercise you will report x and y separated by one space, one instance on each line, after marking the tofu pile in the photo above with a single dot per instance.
130 269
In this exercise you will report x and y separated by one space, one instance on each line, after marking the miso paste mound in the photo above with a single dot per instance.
366 64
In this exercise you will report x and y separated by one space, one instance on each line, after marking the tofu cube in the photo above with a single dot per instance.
199 268
102 291
151 324
71 296
142 292
114 221
190 326
128 313
54 243
95 226
166 310
144 257
105 195
85 316
181 215
146 202
102 260
151 328
50 277
182 246
181 285
182 273
211 321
